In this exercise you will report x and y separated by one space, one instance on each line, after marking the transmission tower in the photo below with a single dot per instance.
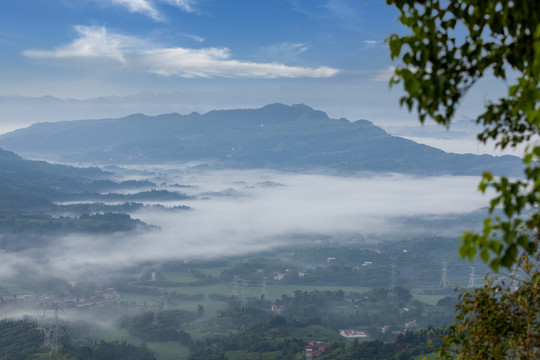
471 284
47 335
243 302
514 278
263 288
54 337
392 287
444 275
155 312
50 332
164 300
40 317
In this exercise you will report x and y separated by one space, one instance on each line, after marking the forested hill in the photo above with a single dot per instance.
26 184
276 136
28 189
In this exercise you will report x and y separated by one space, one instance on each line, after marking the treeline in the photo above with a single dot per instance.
104 350
152 195
405 347
125 207
155 291
161 326
272 339
21 339
261 338
17 222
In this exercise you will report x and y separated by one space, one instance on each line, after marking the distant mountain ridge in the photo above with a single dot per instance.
276 136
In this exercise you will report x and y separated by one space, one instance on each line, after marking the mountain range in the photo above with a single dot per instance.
277 136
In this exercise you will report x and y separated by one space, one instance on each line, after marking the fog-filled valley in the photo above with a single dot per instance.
193 259
234 212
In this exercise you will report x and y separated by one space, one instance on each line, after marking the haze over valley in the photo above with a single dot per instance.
218 189
184 203
232 180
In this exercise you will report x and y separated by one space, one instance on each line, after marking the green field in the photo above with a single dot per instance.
193 287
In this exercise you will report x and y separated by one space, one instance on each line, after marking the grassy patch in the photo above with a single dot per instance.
428 299
169 350
178 276
244 355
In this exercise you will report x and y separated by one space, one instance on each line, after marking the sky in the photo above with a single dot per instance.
91 48
111 58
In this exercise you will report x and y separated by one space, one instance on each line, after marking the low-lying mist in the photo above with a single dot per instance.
239 212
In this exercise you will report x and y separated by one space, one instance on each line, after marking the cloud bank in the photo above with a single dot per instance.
135 54
263 216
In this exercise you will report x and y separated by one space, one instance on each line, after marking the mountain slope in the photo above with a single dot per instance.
276 136
25 184
27 189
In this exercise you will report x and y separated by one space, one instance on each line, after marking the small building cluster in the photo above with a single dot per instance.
278 276
68 300
410 325
277 309
315 349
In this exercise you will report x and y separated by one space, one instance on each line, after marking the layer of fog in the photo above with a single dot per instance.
460 138
252 211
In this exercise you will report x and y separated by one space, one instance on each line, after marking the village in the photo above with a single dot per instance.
44 300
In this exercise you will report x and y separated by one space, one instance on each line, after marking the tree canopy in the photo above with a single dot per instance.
452 44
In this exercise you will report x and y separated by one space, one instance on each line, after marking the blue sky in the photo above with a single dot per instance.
129 46
161 56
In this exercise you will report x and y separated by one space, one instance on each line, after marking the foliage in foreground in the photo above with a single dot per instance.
451 46
440 65
499 320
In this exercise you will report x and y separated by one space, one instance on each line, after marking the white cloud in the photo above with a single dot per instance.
214 62
140 6
138 55
384 75
284 51
92 42
195 37
325 10
340 9
149 8
185 5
